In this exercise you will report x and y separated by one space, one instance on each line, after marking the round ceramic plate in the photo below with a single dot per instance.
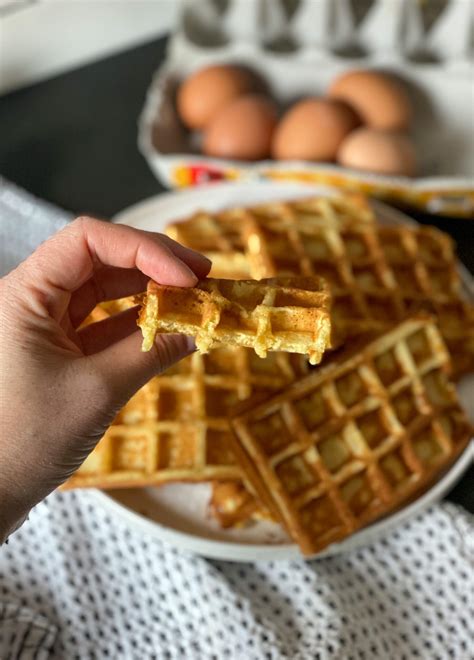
177 513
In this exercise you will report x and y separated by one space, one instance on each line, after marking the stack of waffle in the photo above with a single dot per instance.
323 450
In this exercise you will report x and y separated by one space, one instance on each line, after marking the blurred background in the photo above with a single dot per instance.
71 95
90 115
43 38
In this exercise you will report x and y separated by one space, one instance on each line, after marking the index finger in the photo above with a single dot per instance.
68 259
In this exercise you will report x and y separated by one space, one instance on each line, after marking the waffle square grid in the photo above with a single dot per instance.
177 428
356 438
280 314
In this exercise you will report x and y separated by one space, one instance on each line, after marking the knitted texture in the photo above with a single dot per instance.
112 592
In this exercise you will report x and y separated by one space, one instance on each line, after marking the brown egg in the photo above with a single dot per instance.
378 98
313 129
378 151
203 94
242 130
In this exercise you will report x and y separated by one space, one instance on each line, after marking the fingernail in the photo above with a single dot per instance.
191 272
190 344
202 256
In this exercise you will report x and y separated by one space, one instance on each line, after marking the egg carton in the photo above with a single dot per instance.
299 47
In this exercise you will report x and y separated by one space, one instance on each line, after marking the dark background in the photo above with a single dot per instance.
72 140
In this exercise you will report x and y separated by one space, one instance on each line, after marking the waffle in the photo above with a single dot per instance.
424 267
377 275
176 428
281 314
219 235
339 212
356 438
233 505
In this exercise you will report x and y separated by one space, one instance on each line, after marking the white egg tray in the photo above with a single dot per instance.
298 48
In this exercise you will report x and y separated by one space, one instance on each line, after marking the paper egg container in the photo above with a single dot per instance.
299 48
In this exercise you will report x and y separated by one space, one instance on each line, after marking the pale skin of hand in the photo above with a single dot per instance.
62 385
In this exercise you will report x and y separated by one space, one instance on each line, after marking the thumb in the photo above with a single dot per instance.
124 368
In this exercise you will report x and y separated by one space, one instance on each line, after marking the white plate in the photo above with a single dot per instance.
176 513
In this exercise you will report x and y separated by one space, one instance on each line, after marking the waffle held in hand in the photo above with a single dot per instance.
356 438
278 314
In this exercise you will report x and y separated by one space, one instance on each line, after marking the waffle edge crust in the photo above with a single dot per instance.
355 439
290 314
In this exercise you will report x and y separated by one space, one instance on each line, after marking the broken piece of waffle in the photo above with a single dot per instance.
177 427
278 314
359 436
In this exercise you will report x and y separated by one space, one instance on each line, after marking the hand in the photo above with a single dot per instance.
62 385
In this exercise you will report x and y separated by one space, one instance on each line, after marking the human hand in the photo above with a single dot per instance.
62 385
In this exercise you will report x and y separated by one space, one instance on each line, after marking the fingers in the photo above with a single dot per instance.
106 284
152 254
124 368
98 336
200 264
110 283
66 261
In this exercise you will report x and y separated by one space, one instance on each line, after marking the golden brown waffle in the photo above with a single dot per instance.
378 276
424 266
219 235
280 314
340 211
176 428
233 505
356 438
334 238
